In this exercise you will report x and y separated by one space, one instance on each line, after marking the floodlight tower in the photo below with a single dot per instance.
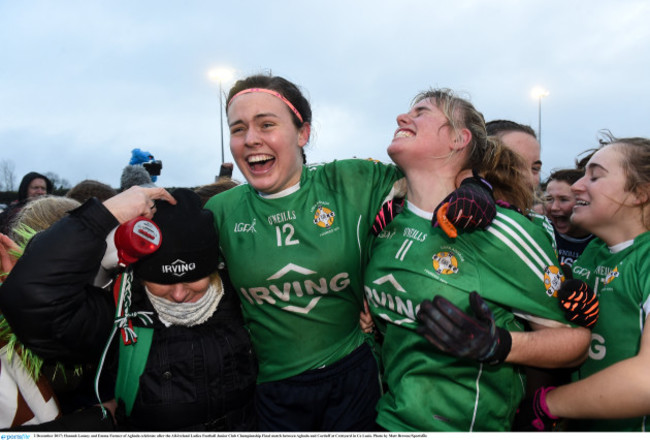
220 75
539 93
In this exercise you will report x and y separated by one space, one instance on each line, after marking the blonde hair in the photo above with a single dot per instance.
460 113
505 169
40 214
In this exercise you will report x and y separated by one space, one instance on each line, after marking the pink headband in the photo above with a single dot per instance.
270 92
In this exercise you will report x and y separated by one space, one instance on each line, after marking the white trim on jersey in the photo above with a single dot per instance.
359 245
22 395
538 320
521 243
478 395
646 308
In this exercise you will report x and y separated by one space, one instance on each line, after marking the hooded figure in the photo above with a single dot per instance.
27 190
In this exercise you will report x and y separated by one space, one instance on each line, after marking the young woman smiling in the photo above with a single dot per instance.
294 243
451 364
613 203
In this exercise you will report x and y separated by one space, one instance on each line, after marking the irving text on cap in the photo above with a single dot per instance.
178 268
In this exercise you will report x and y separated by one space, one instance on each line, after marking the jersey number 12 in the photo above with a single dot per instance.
285 235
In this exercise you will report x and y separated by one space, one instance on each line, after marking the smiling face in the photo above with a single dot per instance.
423 134
603 204
265 142
558 206
180 292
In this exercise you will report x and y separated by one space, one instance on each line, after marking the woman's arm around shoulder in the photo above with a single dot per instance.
550 346
619 391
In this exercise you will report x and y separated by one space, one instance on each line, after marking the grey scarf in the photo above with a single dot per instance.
188 314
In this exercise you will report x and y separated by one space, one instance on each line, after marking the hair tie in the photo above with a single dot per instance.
270 92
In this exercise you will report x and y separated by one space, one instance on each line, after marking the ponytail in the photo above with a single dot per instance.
506 171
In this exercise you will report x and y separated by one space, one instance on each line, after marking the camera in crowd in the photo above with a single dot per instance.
153 167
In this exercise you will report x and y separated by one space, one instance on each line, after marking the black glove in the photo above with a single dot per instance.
533 413
454 332
386 214
470 206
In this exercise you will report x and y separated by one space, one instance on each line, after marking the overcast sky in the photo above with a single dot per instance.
84 82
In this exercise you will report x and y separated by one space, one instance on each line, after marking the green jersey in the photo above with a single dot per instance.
297 260
512 265
620 276
543 222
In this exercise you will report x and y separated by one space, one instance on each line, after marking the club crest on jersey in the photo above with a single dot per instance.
324 217
552 280
445 263
613 274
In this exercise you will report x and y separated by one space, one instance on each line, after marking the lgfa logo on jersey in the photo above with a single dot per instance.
246 227
552 280
324 217
445 263
612 275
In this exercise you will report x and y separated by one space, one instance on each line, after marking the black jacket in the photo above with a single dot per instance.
200 377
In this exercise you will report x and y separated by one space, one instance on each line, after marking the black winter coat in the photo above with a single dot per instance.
200 377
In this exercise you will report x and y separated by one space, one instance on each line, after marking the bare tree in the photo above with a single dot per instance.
57 182
7 175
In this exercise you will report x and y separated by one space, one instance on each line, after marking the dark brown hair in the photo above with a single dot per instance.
283 86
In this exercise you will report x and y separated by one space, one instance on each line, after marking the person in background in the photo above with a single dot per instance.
522 139
169 335
501 170
31 186
452 363
88 188
611 390
559 201
135 175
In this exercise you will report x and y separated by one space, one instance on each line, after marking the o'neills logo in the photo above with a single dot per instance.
178 268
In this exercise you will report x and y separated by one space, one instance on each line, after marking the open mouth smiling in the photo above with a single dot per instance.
260 162
402 133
